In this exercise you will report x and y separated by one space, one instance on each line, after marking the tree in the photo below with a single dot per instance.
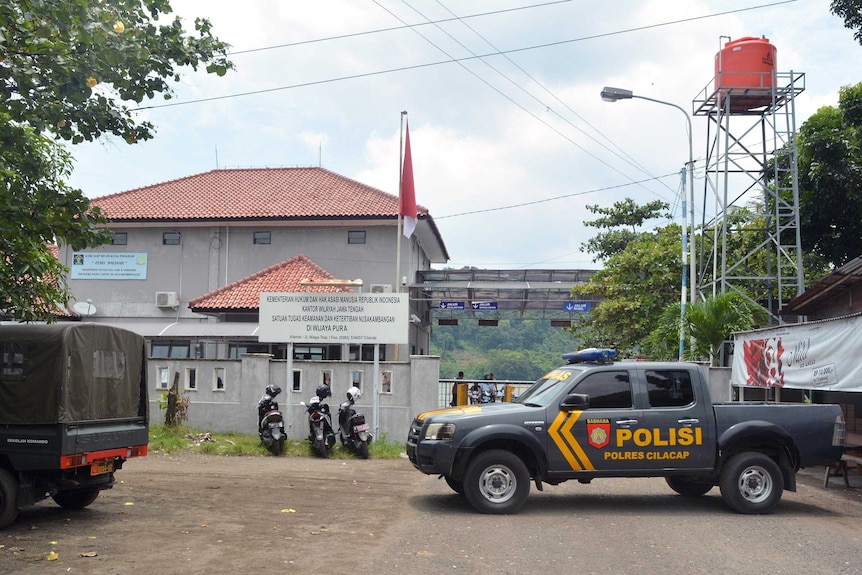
622 222
636 285
68 69
851 11
830 179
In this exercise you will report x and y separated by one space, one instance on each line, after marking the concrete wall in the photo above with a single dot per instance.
233 407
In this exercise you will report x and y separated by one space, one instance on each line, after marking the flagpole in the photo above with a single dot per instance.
397 283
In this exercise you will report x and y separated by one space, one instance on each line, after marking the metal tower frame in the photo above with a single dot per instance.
751 176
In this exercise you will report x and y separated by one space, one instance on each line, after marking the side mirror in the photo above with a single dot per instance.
302 403
575 401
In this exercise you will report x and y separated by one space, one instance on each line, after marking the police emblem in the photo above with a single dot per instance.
599 432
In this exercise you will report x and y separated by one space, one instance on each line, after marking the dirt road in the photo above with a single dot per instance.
195 514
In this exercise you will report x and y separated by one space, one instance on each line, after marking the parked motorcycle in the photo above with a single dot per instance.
270 425
352 427
320 432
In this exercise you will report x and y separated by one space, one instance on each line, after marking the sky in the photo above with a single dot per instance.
509 136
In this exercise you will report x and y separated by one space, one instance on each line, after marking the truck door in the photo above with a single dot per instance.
584 440
679 433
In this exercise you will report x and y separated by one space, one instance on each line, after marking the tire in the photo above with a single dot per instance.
751 483
319 447
278 446
363 449
75 498
496 482
8 498
457 486
688 487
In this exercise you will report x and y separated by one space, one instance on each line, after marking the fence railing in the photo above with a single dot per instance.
507 390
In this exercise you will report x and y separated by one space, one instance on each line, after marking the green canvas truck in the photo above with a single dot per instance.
73 409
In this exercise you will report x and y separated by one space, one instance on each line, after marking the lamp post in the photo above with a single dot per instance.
614 94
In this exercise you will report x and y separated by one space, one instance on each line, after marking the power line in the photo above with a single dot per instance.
555 198
455 60
394 28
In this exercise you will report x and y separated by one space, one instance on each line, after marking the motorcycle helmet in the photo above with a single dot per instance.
314 401
354 393
323 391
272 390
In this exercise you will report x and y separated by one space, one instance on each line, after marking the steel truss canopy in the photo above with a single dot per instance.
501 294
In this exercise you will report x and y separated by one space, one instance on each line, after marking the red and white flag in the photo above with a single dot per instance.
407 198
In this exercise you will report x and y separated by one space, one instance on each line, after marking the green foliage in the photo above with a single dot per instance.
851 12
182 439
636 285
621 222
67 70
830 178
69 66
714 320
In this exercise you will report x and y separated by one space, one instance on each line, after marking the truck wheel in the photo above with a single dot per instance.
496 482
457 486
688 487
75 498
8 498
751 483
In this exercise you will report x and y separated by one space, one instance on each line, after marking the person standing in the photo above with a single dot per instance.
455 385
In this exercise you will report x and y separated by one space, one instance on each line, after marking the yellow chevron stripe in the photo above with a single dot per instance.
554 432
576 447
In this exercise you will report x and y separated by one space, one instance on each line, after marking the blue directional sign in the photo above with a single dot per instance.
484 305
452 305
577 306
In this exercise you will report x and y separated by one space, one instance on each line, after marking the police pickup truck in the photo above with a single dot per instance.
593 419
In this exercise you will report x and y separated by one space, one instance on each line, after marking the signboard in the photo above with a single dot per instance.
577 306
819 355
109 266
333 318
484 305
452 305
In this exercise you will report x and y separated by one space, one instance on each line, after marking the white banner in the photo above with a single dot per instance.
822 355
333 318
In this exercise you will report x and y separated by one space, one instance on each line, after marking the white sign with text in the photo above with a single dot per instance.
333 318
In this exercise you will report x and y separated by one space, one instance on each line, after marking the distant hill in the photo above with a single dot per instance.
521 350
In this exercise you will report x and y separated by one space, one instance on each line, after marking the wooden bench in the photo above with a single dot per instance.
841 468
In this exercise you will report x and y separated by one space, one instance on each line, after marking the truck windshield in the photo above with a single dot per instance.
543 392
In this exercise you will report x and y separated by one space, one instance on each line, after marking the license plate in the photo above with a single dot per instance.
273 425
100 467
362 427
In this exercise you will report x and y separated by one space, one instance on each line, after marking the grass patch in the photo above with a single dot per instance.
182 439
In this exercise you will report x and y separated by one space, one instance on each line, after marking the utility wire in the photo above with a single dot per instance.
504 95
394 28
454 60
624 157
553 199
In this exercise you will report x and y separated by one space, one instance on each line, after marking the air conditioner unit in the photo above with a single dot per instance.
381 288
167 299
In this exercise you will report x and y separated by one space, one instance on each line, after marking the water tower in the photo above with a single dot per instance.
750 177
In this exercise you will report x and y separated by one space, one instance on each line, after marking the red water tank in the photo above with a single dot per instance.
745 73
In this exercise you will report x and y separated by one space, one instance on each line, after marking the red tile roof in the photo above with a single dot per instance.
244 294
256 193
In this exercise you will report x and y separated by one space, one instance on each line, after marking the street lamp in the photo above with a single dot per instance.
614 94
